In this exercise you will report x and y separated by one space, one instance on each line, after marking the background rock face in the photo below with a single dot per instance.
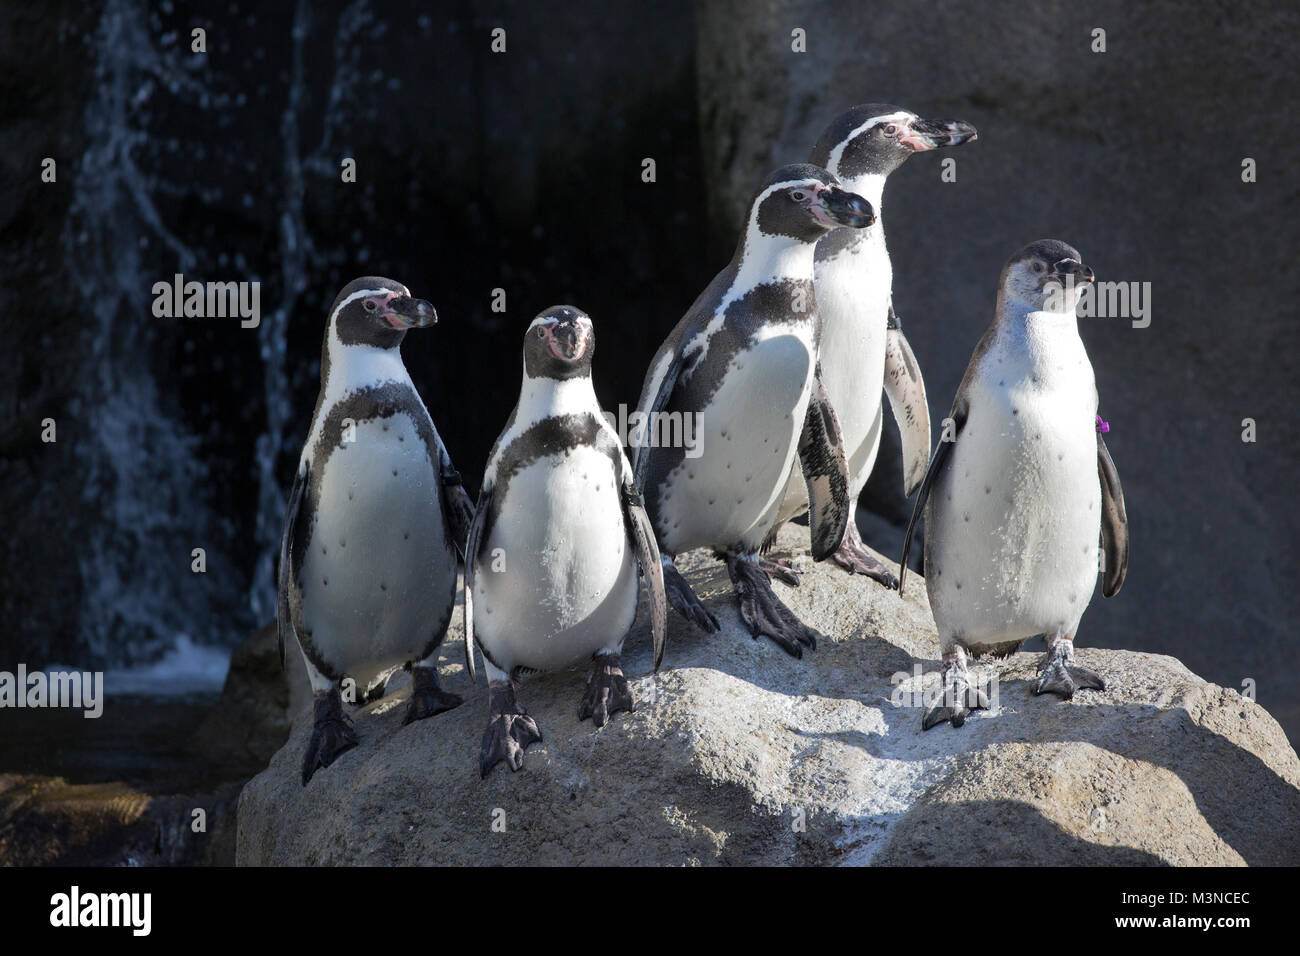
1134 158
738 753
522 171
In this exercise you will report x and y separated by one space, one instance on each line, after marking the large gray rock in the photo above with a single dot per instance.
738 753
1134 156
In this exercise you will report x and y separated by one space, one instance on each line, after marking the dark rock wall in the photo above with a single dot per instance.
1134 157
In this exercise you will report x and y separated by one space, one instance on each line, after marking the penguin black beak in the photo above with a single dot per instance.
935 134
1077 271
568 340
404 312
839 207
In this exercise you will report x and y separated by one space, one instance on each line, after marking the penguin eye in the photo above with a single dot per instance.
798 195
371 305
1038 266
891 130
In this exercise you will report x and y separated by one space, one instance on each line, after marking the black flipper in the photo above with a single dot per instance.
457 509
1114 523
937 464
283 624
640 452
821 453
647 552
472 546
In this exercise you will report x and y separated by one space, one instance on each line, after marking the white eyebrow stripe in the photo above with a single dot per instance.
365 292
833 164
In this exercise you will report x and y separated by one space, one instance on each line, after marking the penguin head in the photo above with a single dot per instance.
559 344
1047 275
377 312
804 202
875 139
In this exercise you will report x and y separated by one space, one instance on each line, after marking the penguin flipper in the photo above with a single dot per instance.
1114 523
457 512
825 472
472 545
640 453
282 622
642 535
906 391
938 462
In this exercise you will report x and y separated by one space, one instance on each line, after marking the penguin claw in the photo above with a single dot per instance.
780 569
427 697
1059 675
509 731
853 556
960 699
685 603
331 736
607 691
763 612
506 738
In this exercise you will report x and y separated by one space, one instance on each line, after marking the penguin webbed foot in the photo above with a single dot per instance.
427 696
781 569
607 690
960 698
763 612
1058 674
509 731
685 603
331 735
853 556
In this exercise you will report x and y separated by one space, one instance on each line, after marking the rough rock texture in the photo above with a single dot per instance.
1135 157
738 753
251 720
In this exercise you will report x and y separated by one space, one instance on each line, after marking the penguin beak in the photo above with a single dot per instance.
404 312
834 206
1073 271
568 340
933 134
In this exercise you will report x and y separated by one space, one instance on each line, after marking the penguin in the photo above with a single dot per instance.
1018 497
556 541
863 347
741 366
376 513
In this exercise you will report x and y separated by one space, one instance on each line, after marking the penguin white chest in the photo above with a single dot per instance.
749 431
556 580
853 291
378 578
1013 528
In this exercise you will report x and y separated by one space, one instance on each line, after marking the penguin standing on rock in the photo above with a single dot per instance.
742 363
1016 501
376 514
559 532
863 347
